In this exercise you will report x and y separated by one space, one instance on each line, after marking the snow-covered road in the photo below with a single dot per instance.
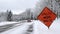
37 27
9 26
19 29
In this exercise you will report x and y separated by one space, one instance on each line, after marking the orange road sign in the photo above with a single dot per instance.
47 16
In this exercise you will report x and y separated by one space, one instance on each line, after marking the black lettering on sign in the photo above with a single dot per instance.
46 18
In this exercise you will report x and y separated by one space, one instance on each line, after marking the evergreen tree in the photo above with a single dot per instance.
9 16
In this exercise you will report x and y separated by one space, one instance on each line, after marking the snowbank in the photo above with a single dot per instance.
40 28
5 23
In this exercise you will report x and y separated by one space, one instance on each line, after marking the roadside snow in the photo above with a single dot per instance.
6 23
40 28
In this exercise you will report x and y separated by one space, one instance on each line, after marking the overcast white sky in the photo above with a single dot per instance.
16 4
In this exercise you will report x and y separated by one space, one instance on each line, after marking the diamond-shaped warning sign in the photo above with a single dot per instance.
47 16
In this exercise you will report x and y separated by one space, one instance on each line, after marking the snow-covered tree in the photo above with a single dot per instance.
9 16
53 5
39 7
